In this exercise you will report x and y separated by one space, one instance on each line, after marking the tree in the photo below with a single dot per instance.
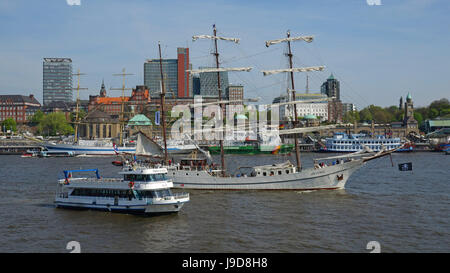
37 117
81 115
55 124
365 115
351 117
9 124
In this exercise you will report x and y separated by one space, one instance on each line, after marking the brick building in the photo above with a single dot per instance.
18 107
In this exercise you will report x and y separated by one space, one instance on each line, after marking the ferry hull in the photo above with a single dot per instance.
88 150
330 177
152 209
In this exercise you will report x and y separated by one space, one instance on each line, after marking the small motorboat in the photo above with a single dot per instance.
117 163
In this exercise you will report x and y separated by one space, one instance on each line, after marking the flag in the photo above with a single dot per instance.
115 148
157 117
405 166
276 150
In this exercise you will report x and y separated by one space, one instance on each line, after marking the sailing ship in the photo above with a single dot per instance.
201 174
95 147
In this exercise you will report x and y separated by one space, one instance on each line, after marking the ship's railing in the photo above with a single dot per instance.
180 195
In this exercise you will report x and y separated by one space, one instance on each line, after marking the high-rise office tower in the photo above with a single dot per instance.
208 84
152 76
331 88
177 81
184 77
57 80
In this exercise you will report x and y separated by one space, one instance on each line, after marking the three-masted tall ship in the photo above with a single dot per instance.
197 173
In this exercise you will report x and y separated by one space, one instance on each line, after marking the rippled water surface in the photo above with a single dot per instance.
403 211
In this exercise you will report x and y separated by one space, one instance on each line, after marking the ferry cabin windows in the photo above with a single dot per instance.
153 194
145 177
103 193
128 194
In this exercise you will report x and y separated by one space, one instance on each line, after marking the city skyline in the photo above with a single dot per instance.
378 53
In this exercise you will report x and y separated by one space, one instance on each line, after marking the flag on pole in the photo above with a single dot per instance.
115 148
157 117
405 166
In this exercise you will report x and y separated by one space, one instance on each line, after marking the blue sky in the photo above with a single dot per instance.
379 53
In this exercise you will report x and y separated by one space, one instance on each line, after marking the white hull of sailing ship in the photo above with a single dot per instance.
328 177
88 149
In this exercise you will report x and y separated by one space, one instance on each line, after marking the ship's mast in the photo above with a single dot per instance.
216 53
218 70
163 116
291 70
122 118
78 103
297 149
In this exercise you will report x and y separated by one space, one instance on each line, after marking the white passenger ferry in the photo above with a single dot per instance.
142 190
341 142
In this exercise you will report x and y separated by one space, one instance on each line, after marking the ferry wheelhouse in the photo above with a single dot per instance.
341 142
142 190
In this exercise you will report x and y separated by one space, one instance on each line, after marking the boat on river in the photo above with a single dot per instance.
203 174
344 143
141 190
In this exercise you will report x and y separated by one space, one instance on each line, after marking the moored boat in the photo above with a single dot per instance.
341 142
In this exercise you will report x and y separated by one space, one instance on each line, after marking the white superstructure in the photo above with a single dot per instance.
142 190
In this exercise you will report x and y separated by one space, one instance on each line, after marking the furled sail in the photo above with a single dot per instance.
307 39
204 70
299 69
299 102
305 129
147 147
196 37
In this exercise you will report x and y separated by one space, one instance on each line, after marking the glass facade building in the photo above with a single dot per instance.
152 77
57 80
208 83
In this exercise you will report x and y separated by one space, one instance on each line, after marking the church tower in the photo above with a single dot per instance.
103 90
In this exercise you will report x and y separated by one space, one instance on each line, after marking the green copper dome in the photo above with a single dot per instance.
331 77
409 96
310 117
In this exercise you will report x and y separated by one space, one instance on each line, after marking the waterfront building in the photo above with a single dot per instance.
318 109
432 125
208 83
57 80
195 85
18 107
331 88
152 76
99 124
348 107
184 76
140 97
177 81
409 121
235 92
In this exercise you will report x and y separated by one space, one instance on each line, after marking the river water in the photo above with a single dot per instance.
403 211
